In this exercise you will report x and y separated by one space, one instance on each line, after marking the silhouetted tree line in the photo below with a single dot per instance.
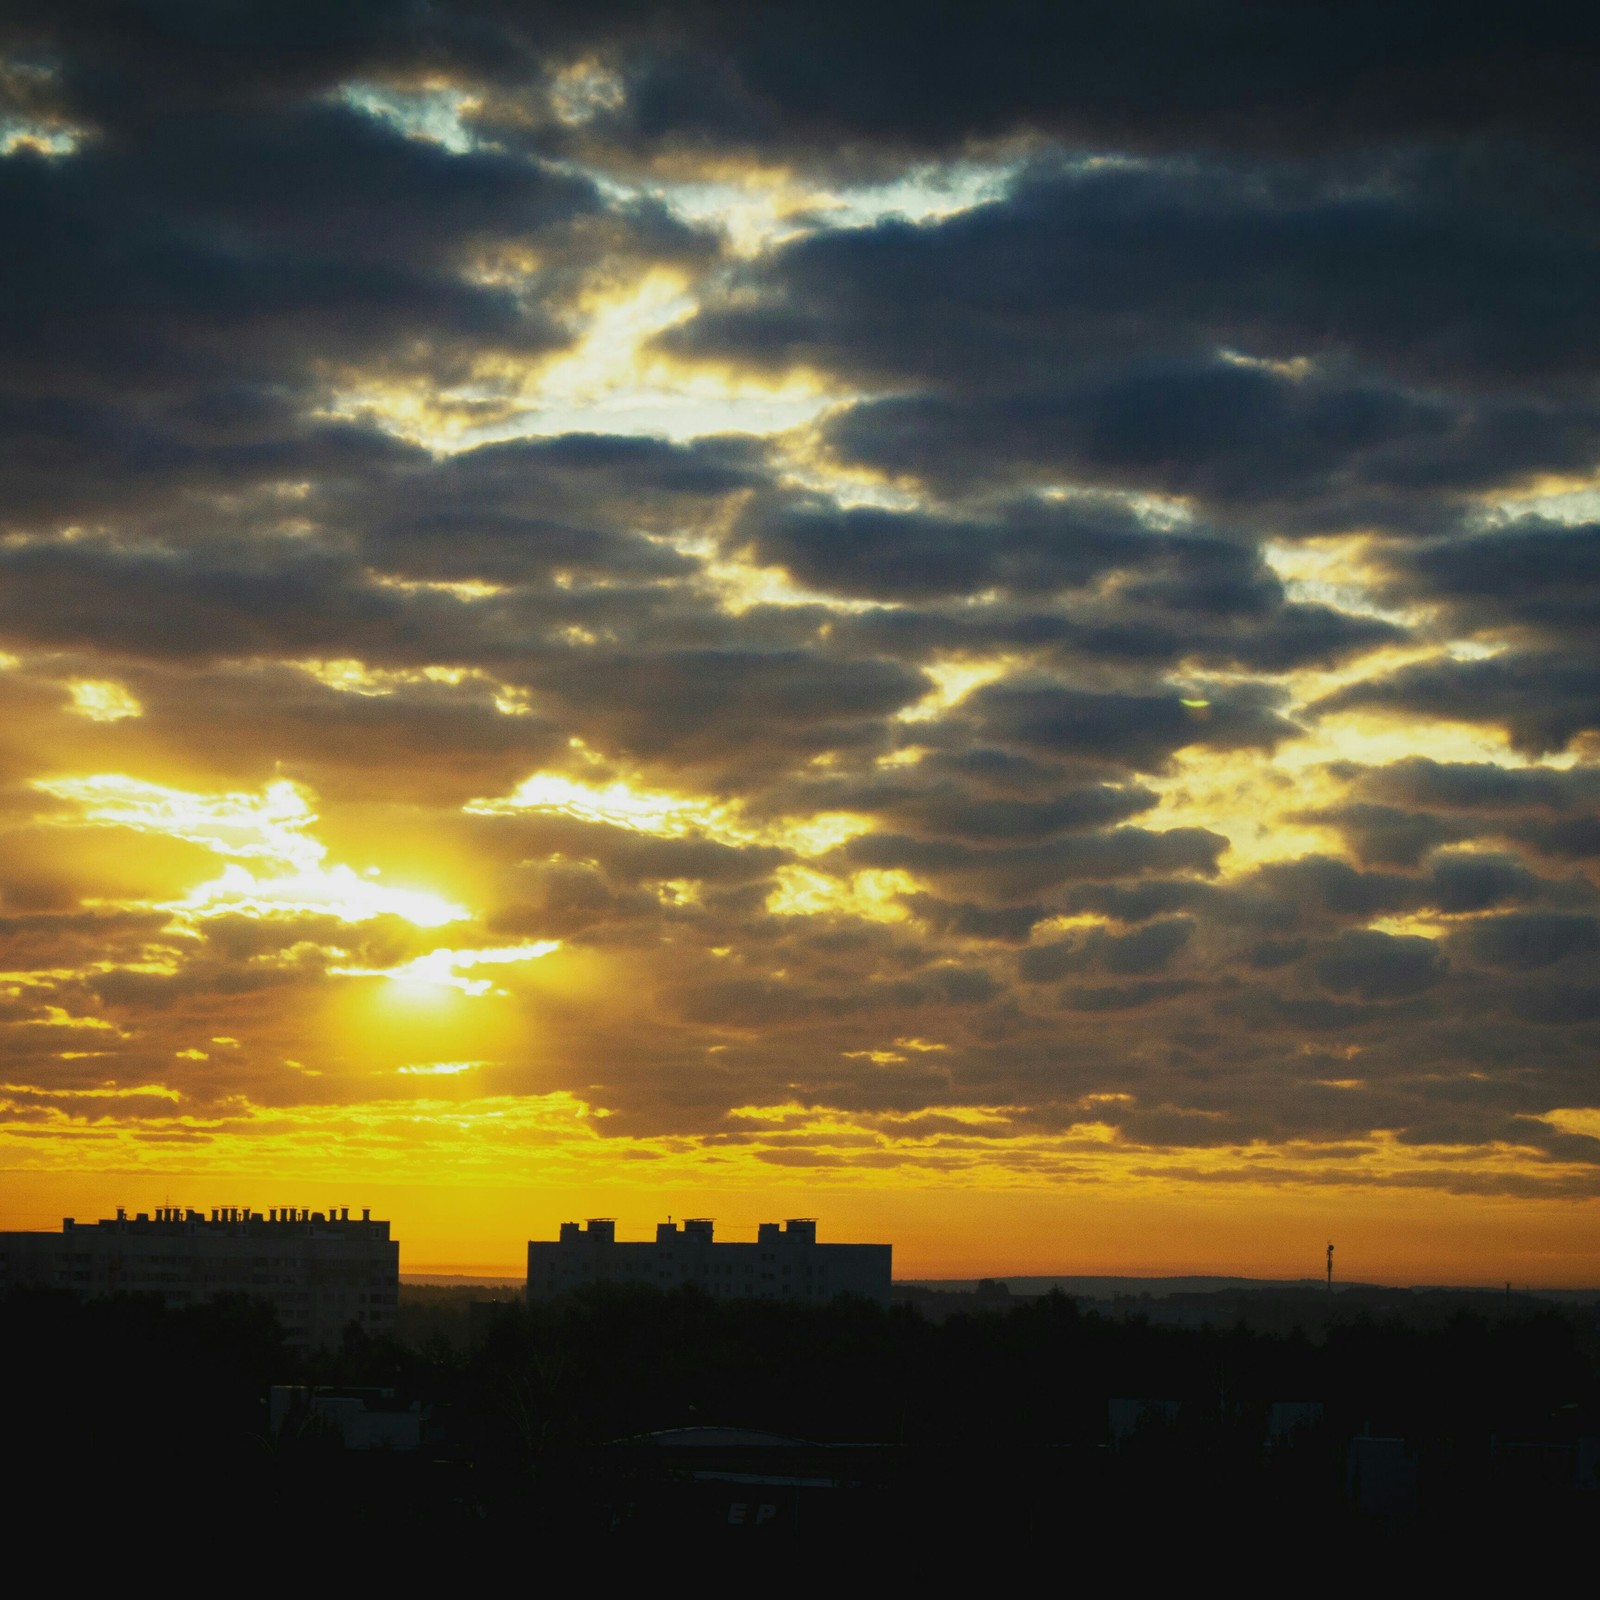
608 1362
156 1408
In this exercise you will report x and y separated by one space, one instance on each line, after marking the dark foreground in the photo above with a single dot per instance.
627 1428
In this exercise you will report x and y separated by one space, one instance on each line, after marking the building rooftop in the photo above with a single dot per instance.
164 1217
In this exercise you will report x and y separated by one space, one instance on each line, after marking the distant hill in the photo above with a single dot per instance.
468 1280
1163 1288
1111 1288
1083 1288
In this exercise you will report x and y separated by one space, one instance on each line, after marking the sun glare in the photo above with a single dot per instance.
445 968
617 804
288 873
269 826
336 891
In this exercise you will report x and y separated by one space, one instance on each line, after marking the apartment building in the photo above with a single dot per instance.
320 1271
784 1262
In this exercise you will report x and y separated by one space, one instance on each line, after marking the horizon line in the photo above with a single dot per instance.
491 1278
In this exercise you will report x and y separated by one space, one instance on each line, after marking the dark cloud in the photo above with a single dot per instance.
928 804
1159 74
262 243
1381 965
1306 455
1364 348
1387 836
1126 997
1481 786
1471 882
1543 700
887 555
1137 902
158 603
1138 628
690 705
1164 73
1539 580
1018 872
1420 804
433 743
1138 731
964 920
624 858
983 818
197 284
1403 267
1185 596
521 512
1292 895
1150 949
1523 941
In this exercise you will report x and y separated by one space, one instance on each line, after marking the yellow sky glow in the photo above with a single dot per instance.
445 968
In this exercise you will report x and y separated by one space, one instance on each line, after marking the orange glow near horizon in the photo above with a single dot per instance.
482 1229
391 1051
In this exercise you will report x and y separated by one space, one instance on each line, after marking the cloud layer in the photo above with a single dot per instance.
727 592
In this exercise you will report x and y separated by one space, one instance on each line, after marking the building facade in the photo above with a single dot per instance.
784 1263
320 1271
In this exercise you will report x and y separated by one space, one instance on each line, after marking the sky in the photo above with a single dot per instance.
979 622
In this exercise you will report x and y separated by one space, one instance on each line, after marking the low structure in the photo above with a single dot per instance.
320 1271
784 1263
359 1419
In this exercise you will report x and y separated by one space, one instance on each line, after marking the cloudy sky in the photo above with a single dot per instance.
979 621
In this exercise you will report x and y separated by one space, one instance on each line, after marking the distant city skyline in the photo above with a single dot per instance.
1074 1260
